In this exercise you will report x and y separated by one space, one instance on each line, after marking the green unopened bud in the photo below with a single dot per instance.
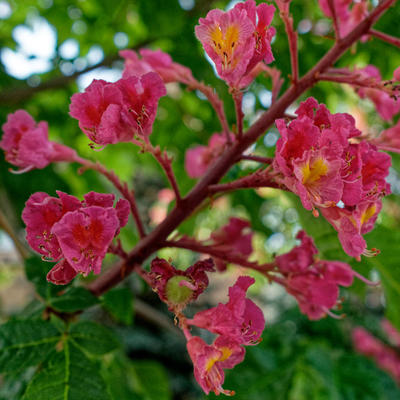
175 293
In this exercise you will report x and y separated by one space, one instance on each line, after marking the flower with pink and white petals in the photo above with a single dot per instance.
176 287
27 146
116 112
198 159
239 319
386 106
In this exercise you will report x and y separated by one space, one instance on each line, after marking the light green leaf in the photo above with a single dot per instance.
74 299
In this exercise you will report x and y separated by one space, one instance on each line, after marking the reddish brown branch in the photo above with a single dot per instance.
264 160
154 241
395 41
331 4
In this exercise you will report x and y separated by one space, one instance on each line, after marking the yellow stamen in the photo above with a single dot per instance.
225 42
314 171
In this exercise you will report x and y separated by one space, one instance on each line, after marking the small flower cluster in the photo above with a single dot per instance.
75 234
386 357
118 112
313 282
237 323
27 145
238 40
318 160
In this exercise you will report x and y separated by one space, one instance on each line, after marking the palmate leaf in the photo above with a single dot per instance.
119 303
74 299
26 343
69 375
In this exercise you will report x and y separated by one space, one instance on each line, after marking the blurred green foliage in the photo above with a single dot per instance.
297 359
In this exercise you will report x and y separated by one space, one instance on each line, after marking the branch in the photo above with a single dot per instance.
121 187
385 37
331 4
152 242
237 99
264 160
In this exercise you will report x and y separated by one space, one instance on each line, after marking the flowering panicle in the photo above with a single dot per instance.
198 159
74 233
313 282
155 61
237 40
118 112
317 160
27 146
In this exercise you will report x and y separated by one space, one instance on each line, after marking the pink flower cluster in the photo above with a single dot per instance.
318 160
386 357
386 106
75 234
176 287
118 112
198 159
314 283
237 323
155 61
237 40
233 238
27 145
347 18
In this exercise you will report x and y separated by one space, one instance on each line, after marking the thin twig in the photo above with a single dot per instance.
332 7
264 160
237 98
395 41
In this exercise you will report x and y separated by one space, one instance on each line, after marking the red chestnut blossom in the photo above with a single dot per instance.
77 234
209 362
27 145
386 106
176 287
116 112
239 319
199 158
238 39
156 61
389 139
314 283
235 237
386 358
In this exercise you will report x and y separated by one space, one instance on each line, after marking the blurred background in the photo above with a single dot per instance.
51 49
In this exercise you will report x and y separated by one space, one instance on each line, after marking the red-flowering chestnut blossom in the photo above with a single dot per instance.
347 18
237 40
116 112
314 283
176 287
386 106
389 139
384 356
239 319
27 145
155 61
75 233
317 161
210 361
234 238
198 159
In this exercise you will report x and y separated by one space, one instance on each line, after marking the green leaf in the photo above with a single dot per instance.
69 375
26 343
93 338
119 303
152 380
74 299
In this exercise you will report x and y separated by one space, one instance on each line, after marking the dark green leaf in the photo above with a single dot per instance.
69 375
119 303
93 338
74 299
26 343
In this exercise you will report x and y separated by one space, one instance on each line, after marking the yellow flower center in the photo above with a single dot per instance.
368 214
225 42
314 171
